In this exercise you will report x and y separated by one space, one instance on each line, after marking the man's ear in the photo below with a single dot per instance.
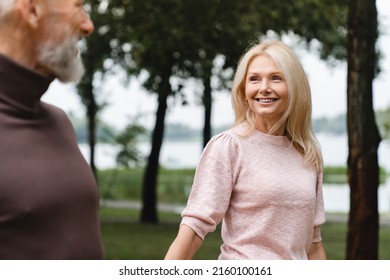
30 11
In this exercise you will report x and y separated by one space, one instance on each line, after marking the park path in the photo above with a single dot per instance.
176 208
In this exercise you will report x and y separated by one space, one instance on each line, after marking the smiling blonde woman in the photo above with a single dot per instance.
263 178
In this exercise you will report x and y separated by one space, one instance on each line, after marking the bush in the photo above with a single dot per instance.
339 175
174 185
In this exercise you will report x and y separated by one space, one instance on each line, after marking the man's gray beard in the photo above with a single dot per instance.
61 61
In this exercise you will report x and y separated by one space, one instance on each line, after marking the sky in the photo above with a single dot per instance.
328 85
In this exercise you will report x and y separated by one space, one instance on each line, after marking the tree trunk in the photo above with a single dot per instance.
85 90
363 134
207 103
91 113
149 189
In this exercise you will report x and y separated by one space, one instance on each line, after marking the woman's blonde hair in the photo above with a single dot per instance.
297 118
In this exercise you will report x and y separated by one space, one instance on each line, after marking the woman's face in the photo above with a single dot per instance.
266 91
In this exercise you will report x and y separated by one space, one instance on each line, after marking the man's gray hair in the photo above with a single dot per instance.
5 6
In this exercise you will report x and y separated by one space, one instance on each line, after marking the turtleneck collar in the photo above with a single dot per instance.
21 87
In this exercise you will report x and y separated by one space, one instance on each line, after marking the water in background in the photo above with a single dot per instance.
183 154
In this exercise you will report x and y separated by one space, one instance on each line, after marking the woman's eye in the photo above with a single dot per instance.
277 78
253 78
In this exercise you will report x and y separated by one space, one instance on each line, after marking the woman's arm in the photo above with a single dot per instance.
316 252
185 245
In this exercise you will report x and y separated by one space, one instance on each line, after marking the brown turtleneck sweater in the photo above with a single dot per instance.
48 195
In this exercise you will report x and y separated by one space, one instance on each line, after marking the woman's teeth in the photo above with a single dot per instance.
265 100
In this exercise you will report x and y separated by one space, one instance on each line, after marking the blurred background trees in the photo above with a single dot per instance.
167 43
172 41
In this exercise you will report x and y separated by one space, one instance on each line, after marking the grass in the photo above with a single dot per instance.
127 239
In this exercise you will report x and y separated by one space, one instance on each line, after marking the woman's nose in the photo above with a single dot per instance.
264 87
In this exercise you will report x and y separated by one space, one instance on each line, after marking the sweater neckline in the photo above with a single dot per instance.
275 140
21 87
262 137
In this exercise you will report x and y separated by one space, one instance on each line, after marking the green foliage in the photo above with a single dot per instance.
335 175
185 37
383 120
339 175
173 185
321 21
127 141
120 183
96 51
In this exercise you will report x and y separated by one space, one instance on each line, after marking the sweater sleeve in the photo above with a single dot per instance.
319 217
213 185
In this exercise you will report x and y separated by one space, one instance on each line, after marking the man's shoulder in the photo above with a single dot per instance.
53 110
55 113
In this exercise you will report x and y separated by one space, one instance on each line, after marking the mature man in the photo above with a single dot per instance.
48 195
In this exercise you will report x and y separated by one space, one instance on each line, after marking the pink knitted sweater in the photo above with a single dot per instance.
269 199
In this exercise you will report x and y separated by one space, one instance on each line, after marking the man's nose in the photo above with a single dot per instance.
86 25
